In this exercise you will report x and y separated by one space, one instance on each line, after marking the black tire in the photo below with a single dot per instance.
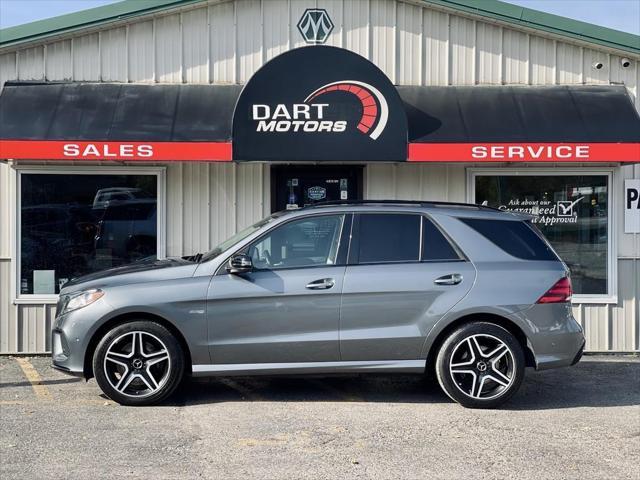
151 382
468 389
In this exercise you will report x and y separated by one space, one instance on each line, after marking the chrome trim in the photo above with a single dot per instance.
409 366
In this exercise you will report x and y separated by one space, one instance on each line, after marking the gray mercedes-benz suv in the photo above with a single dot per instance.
473 293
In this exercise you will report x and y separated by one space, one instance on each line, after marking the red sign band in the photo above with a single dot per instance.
221 151
132 151
524 152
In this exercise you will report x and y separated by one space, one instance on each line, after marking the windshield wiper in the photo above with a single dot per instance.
193 258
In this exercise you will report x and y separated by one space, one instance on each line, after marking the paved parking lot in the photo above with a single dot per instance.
580 422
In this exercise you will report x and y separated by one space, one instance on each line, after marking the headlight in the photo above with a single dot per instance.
82 299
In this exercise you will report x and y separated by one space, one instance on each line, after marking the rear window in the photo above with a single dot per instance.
130 211
516 238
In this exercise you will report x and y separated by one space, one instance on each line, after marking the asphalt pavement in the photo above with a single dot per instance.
581 422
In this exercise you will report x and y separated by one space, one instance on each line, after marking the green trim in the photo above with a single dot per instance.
546 22
85 18
493 9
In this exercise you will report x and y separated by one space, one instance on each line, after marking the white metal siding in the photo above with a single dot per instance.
113 64
86 58
59 61
140 52
226 42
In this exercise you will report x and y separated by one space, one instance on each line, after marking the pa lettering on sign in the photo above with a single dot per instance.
632 206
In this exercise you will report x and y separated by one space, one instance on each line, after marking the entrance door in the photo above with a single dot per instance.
296 187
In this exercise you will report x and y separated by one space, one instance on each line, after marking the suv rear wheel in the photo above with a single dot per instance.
480 365
138 363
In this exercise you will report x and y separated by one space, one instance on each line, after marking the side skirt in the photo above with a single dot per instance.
228 369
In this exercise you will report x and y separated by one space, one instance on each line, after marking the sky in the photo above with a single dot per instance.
618 14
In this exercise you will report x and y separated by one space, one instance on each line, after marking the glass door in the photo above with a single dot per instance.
296 187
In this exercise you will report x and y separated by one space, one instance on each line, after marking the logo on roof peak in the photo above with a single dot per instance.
315 25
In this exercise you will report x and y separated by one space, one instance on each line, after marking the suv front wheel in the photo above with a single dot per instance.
480 365
138 363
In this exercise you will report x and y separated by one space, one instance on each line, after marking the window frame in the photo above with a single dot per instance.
611 297
462 257
343 245
353 258
18 170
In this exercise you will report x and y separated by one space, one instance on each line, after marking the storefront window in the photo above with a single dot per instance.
572 212
71 225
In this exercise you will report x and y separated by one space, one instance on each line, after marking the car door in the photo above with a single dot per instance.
403 276
287 308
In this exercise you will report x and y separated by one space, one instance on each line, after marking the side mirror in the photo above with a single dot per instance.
240 264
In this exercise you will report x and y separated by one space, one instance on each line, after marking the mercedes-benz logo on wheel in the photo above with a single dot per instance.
315 25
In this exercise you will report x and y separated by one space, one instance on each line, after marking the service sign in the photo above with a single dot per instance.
632 206
319 104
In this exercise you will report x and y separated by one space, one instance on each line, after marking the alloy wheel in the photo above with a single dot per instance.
482 366
137 364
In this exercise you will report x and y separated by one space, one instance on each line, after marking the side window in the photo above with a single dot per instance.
386 237
435 247
306 242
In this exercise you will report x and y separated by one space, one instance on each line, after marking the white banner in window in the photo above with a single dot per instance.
632 206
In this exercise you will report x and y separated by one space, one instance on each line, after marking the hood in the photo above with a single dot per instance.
138 272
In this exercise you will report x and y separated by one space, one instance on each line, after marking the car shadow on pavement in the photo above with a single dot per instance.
588 384
352 388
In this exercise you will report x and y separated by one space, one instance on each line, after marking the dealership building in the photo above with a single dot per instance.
161 128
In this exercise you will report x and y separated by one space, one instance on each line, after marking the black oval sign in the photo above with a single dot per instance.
319 103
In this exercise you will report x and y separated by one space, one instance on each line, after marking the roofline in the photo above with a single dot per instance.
85 18
546 22
492 9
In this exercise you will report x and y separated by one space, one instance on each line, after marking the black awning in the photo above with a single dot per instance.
118 112
581 113
196 122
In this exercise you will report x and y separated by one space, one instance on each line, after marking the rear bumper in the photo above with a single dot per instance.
560 349
554 336
570 354
579 354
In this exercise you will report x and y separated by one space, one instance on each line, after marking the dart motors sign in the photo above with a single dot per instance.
319 104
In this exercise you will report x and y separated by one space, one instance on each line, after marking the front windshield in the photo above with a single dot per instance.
238 237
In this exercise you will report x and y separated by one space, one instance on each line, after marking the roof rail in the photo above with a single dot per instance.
420 203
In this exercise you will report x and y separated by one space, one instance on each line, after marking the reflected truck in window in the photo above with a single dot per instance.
127 229
468 292
74 225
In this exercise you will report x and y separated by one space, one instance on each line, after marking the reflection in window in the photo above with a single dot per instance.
572 212
72 225
306 242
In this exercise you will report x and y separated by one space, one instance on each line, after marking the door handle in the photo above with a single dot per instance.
453 279
322 284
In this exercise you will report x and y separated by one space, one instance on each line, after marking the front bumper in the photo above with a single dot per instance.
67 371
63 358
71 336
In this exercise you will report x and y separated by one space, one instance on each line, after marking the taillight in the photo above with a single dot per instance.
559 293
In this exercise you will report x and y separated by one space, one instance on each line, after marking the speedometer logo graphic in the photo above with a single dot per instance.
375 111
